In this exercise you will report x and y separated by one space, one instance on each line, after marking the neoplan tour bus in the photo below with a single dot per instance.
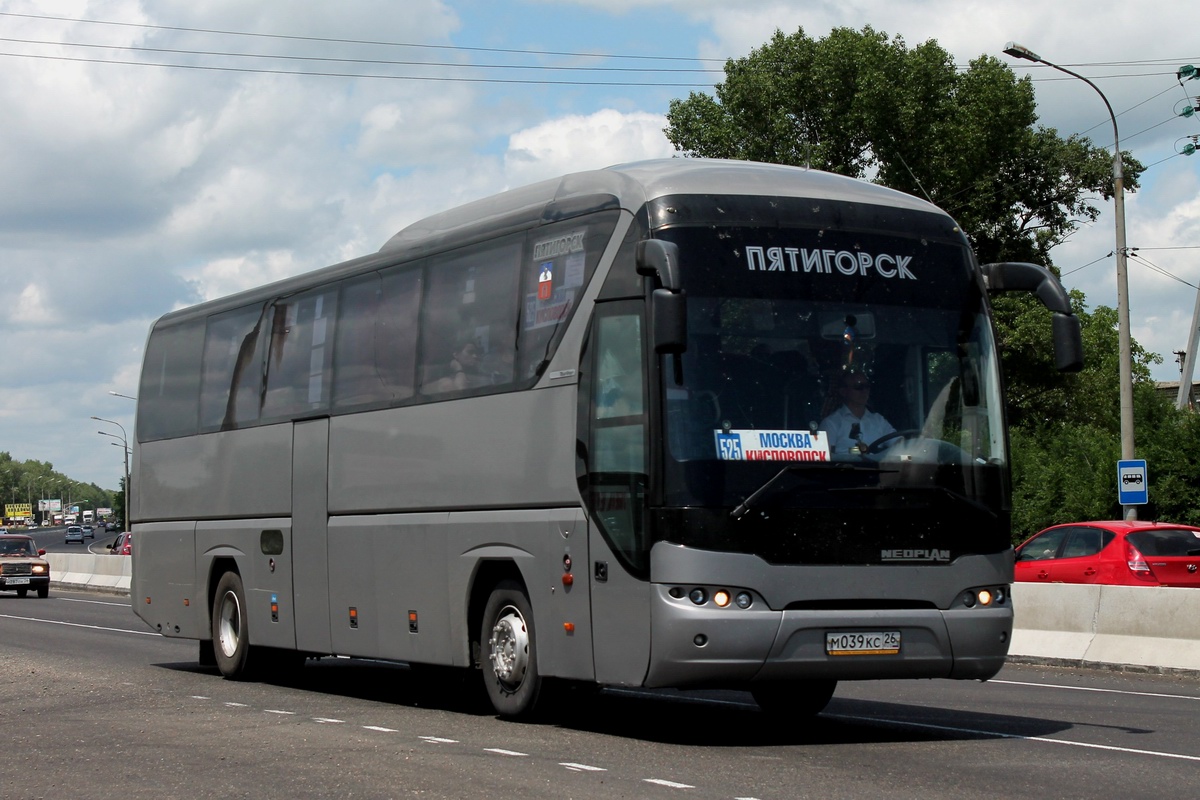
579 431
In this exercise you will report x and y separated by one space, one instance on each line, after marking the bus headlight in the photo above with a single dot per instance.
984 597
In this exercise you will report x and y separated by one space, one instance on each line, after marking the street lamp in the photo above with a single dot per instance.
125 451
118 394
45 494
1126 359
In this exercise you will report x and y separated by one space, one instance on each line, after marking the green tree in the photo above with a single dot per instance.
862 104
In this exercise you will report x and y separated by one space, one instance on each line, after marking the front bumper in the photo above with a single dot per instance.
707 645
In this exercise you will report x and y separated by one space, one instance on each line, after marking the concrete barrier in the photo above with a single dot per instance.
105 573
1125 626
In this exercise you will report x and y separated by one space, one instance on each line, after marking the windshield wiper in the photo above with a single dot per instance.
842 466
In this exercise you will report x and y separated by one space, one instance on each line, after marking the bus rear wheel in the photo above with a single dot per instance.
230 635
794 698
508 645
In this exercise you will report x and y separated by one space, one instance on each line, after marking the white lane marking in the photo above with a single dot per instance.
275 711
93 602
237 705
581 767
438 740
200 697
1001 735
327 721
78 625
1093 689
668 784
500 752
381 730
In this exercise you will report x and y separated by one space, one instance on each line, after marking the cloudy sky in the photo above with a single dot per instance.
155 153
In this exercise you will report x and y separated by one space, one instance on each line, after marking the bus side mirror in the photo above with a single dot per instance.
659 259
1016 276
668 319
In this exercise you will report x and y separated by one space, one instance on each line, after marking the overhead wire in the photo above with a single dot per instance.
1149 63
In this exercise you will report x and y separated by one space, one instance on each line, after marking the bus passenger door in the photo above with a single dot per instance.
616 467
310 534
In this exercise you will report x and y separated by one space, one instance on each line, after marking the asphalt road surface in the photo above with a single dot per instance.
93 704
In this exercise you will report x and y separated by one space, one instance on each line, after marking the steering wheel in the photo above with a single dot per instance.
880 444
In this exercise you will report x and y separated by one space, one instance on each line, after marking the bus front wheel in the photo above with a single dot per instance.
230 636
794 698
508 644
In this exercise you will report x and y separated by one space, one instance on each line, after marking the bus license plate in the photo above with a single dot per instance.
17 581
862 643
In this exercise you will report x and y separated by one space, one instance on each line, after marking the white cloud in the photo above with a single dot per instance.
575 143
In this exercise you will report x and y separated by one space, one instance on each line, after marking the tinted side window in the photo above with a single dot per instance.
299 355
232 371
618 449
562 258
376 358
468 332
1086 542
170 384
375 362
1045 546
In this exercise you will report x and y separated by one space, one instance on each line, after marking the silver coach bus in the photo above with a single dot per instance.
575 431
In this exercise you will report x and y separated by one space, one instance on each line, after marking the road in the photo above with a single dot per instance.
95 705
51 540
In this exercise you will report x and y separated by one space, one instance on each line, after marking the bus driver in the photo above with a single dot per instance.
853 426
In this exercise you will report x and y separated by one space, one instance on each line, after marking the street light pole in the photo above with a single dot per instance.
125 450
1123 336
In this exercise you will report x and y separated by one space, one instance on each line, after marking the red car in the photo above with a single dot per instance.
1122 552
123 546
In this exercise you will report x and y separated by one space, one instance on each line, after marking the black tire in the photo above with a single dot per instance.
794 698
508 648
22 592
230 632
43 592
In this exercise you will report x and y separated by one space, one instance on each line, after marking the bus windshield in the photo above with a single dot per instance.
842 381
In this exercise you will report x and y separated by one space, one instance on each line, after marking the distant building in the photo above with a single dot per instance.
1170 390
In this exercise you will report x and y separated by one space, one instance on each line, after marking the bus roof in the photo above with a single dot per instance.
628 186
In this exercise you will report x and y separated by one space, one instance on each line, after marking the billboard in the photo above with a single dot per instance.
18 510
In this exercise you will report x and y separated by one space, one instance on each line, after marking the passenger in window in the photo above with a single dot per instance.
853 427
465 367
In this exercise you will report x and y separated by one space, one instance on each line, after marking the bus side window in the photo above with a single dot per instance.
376 353
618 452
170 383
562 258
471 300
297 379
232 369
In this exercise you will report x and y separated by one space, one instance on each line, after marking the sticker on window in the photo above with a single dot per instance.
752 445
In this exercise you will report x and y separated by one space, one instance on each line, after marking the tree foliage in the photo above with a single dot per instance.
862 104
31 480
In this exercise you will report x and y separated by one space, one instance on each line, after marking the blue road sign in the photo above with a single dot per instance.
1133 487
